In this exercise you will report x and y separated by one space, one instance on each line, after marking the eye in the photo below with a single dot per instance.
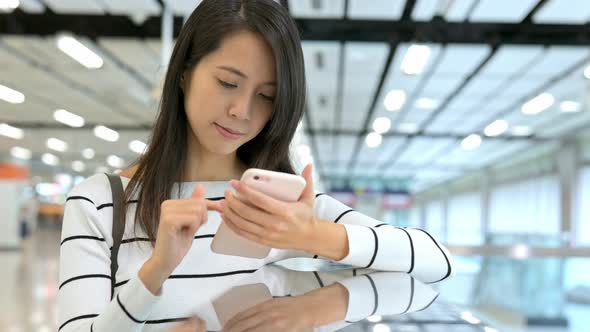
226 84
269 98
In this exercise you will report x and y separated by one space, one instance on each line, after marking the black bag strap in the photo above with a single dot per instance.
118 224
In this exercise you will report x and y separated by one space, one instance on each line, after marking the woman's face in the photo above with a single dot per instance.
229 94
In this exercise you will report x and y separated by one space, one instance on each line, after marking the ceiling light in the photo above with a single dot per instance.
10 95
115 161
9 5
415 59
496 128
106 134
538 104
407 128
78 166
373 140
520 251
57 144
569 106
88 153
521 130
50 159
587 72
381 125
79 52
394 100
471 142
21 153
137 146
68 118
426 103
10 131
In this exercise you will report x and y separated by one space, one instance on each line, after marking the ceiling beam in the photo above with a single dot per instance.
434 31
373 106
408 9
337 122
400 150
110 104
531 14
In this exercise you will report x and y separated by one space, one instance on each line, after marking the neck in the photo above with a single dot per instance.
203 165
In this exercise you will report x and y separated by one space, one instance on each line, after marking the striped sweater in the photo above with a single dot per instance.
84 297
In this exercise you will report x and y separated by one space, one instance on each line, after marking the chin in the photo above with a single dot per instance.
222 148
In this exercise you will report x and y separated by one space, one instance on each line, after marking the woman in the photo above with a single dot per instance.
233 96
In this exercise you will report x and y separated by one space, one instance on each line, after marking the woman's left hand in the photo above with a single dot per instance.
268 221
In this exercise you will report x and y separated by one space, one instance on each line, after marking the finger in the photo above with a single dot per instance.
250 323
253 214
199 192
202 326
194 208
308 194
205 212
259 199
191 325
243 224
214 205
190 220
245 314
243 233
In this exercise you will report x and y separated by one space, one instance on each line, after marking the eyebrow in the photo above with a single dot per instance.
239 73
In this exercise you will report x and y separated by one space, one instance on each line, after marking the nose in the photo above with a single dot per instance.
241 108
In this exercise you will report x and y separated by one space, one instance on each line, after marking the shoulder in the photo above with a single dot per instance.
95 189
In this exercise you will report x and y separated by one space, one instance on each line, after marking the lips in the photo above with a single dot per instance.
235 132
226 133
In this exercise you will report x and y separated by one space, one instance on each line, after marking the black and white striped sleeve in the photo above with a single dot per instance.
84 296
369 292
379 246
386 293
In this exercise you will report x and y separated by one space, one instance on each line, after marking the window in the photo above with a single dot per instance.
526 207
465 219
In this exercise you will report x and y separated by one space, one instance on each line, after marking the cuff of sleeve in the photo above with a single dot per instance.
361 245
360 303
137 300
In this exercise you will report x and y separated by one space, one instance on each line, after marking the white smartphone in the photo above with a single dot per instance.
282 186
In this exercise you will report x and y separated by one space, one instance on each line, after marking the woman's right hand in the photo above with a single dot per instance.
179 221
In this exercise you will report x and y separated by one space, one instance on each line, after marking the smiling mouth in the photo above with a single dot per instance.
227 133
229 130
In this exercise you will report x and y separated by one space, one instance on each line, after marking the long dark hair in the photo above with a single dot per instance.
163 163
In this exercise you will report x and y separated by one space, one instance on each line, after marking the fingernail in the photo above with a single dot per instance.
235 184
